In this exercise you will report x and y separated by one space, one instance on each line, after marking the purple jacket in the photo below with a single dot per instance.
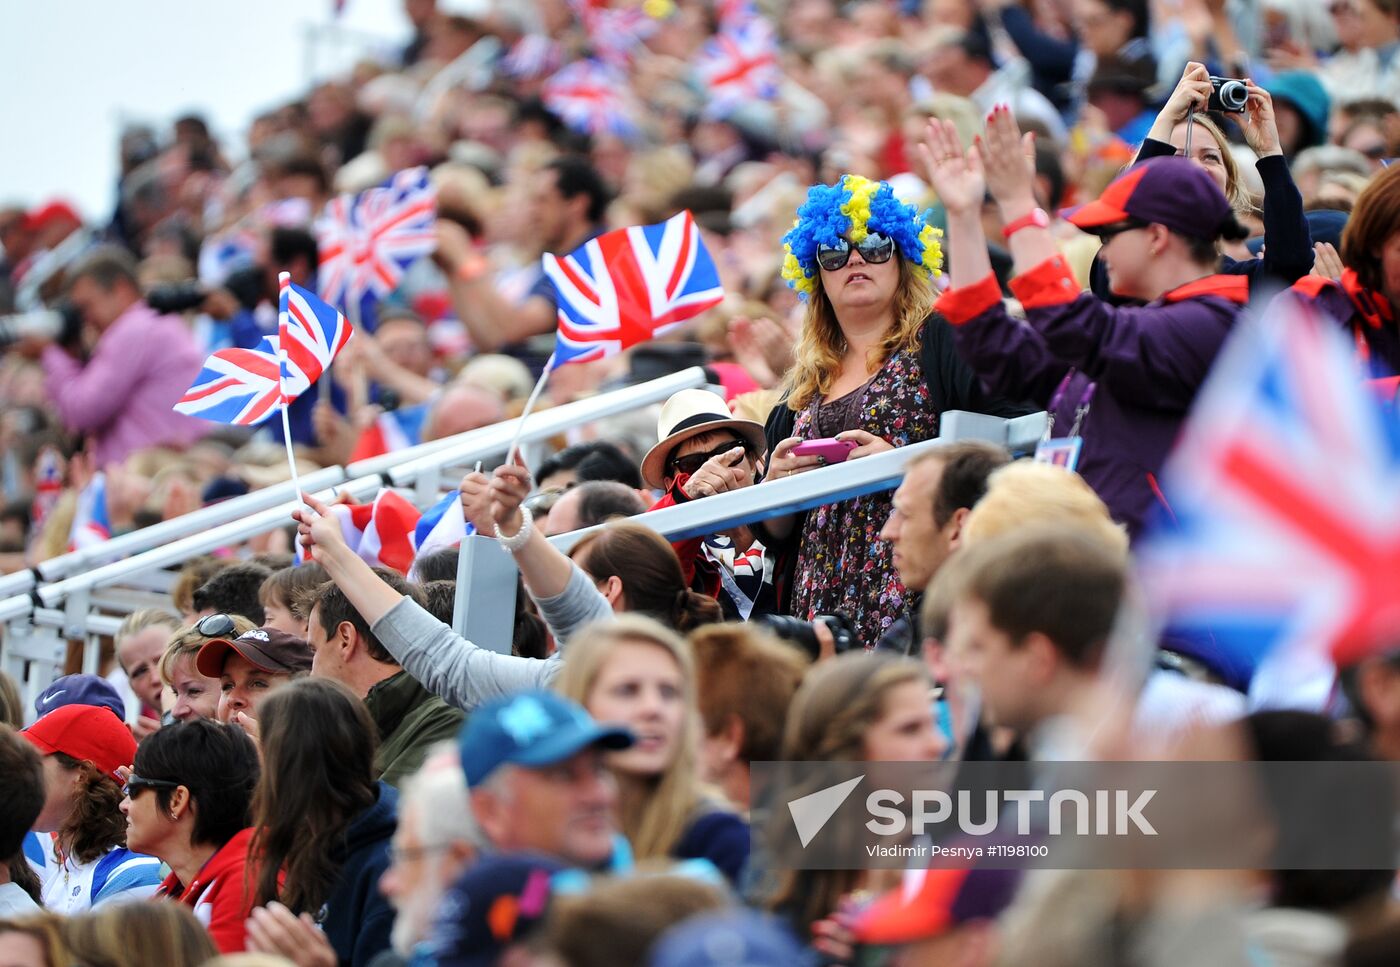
1366 316
1147 363
123 398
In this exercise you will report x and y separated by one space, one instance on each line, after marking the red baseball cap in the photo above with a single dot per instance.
85 732
1170 191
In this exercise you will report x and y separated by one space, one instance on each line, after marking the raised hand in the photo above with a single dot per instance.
1008 161
1257 122
317 526
955 175
510 485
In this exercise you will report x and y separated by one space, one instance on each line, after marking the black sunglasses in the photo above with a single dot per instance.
134 783
1106 232
874 248
214 626
692 462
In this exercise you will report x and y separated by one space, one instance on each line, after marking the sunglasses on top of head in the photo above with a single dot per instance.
874 248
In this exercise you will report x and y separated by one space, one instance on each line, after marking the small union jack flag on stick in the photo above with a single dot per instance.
591 97
625 287
369 240
740 64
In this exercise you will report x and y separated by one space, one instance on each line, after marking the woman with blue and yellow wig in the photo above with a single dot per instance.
874 367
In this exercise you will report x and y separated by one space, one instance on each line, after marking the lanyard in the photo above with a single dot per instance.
1081 409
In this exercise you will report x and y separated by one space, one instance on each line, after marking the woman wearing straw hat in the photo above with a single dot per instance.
705 450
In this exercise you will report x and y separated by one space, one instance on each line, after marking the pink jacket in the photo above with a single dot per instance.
123 398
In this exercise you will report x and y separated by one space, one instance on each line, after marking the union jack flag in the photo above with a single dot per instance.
533 55
591 97
614 32
729 13
1286 548
628 285
244 386
740 64
368 240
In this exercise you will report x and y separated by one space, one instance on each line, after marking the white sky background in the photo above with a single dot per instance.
72 71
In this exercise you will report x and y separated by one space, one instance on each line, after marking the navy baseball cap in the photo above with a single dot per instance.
531 729
80 690
1171 191
499 901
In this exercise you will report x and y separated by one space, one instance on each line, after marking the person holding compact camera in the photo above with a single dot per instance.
120 394
874 368
1184 127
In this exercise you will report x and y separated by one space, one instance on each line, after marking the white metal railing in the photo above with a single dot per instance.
17 583
424 473
135 542
176 552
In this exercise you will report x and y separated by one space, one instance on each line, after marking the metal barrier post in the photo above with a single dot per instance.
484 613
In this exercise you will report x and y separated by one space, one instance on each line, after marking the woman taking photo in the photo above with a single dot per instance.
873 367
88 863
188 800
623 568
1117 380
635 672
1288 248
323 824
862 707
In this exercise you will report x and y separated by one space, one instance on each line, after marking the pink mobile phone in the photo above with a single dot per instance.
833 449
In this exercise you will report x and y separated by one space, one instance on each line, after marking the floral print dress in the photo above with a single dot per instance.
842 565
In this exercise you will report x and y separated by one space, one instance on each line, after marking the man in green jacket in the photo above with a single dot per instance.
410 719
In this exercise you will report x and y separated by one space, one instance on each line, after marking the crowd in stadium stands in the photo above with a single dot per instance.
914 207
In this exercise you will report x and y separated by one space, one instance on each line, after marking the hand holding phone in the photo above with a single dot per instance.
830 448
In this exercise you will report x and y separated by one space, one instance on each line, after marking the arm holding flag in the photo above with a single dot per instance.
461 673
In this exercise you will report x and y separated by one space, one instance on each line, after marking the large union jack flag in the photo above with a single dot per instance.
1287 544
369 240
591 97
628 285
740 64
245 386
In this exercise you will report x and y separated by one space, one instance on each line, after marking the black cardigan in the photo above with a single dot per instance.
1288 252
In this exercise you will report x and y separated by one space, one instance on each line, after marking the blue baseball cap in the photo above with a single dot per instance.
531 729
726 938
80 690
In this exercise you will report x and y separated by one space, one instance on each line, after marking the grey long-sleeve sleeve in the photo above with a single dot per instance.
465 675
578 604
460 673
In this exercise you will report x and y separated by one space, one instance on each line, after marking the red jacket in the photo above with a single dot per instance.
217 894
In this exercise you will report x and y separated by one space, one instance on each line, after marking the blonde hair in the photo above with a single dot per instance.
653 823
143 619
1236 192
47 929
1026 492
137 934
186 642
822 345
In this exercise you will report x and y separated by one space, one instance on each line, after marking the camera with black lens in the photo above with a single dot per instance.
61 324
1227 94
804 635
175 297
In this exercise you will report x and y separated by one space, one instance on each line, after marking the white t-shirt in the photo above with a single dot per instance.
14 902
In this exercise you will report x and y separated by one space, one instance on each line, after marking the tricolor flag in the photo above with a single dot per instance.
91 525
626 286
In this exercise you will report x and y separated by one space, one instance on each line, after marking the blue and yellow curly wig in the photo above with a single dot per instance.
853 208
